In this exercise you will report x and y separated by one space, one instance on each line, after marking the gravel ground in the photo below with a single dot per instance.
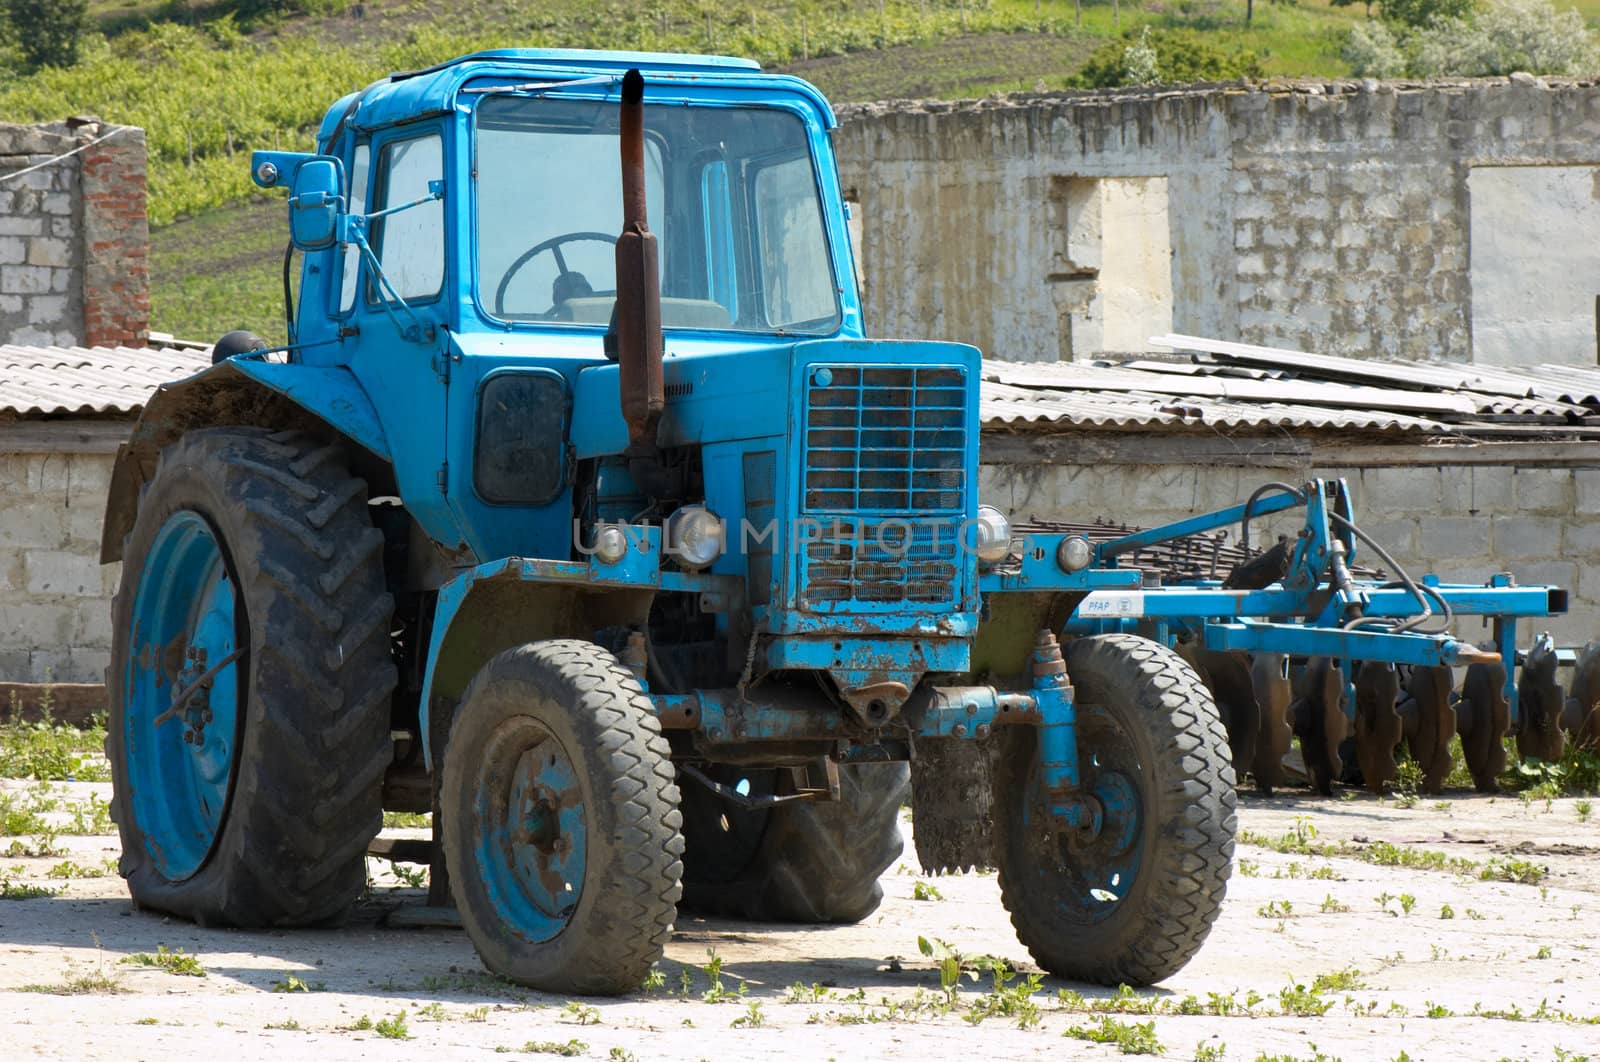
1433 963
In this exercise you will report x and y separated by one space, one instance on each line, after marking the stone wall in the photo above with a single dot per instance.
1464 512
74 242
55 598
1334 217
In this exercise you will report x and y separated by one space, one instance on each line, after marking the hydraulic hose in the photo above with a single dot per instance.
1257 495
1418 590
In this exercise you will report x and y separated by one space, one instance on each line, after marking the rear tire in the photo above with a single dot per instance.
273 828
1133 904
815 863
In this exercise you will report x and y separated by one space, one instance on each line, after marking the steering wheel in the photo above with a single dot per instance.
553 245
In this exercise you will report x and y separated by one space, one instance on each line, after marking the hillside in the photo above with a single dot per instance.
208 82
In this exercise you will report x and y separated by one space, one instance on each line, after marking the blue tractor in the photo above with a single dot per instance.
621 549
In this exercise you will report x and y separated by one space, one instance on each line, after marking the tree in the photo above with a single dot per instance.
1426 12
48 31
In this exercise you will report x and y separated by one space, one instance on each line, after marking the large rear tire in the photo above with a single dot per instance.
1135 902
806 862
258 809
561 822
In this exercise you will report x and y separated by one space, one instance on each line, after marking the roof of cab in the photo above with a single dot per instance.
411 93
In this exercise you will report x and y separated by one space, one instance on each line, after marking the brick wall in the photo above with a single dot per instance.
55 598
73 237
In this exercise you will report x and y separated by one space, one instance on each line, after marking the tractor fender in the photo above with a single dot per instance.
237 391
500 605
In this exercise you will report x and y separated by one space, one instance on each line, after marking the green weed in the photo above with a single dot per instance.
921 890
581 1013
173 962
393 1028
292 983
1130 1038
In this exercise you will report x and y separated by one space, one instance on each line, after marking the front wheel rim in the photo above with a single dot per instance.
532 848
186 619
1091 876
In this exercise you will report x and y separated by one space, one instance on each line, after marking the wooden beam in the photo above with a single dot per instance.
63 436
1118 448
71 703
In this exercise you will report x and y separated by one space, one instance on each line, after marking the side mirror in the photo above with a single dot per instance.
315 202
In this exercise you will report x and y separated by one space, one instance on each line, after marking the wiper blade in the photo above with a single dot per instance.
538 87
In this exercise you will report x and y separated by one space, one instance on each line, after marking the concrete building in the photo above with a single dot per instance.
1456 221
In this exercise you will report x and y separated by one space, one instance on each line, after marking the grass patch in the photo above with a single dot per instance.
566 1049
12 890
92 984
173 962
1302 840
1130 1038
52 752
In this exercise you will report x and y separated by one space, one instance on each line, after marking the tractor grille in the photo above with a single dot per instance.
890 562
883 484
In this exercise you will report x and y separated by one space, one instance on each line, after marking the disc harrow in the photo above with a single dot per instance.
1298 638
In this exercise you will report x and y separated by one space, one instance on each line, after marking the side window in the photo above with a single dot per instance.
360 168
410 244
796 274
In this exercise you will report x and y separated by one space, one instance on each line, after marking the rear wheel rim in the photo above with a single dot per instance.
187 600
532 847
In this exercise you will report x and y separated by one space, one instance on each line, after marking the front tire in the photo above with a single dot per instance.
561 822
257 544
1135 902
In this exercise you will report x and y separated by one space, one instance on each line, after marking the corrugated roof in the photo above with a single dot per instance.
1229 386
43 380
1240 386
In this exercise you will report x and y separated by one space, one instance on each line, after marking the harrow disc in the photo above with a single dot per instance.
1274 691
1429 720
1377 724
1482 718
1227 676
1320 723
1581 716
1539 704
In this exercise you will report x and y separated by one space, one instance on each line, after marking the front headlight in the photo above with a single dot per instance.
610 543
993 539
1074 553
694 536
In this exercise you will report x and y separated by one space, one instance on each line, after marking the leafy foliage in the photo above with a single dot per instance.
1179 55
1502 37
1425 12
48 32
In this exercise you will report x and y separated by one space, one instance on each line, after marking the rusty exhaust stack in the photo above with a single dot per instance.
638 318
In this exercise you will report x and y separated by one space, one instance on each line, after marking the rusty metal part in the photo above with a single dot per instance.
1269 675
952 799
198 684
1482 718
1227 676
1539 704
1320 723
1580 718
638 305
876 703
635 656
1377 725
1429 721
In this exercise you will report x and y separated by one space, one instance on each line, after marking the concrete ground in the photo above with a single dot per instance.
1417 962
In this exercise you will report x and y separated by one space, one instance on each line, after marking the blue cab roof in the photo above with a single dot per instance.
410 93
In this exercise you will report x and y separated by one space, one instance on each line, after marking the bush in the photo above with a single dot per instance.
1179 56
1506 36
1502 37
47 32
1373 51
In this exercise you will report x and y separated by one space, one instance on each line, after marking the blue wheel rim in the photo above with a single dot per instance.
1091 875
186 603
531 846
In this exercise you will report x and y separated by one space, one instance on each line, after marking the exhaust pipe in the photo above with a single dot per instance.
638 307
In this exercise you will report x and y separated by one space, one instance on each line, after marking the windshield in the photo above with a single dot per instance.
732 199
